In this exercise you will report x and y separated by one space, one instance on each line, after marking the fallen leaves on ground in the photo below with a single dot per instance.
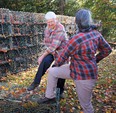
13 89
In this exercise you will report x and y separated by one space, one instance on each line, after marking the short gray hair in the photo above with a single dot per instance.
83 18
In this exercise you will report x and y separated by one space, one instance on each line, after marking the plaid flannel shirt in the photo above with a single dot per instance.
82 49
55 40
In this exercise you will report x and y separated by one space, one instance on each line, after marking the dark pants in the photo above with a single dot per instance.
45 64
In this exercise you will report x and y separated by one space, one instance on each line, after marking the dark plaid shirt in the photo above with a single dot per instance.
83 49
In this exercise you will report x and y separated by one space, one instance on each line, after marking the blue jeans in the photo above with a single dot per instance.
45 64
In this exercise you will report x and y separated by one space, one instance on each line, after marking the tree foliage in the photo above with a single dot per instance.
104 10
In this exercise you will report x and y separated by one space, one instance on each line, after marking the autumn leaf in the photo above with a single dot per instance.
104 99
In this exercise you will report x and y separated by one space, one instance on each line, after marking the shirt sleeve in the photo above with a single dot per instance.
104 49
69 50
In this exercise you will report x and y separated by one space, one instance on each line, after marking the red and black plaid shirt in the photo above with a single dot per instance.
82 49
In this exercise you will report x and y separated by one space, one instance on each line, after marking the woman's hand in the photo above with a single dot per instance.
47 70
42 57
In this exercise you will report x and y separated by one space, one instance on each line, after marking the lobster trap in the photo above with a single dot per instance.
21 34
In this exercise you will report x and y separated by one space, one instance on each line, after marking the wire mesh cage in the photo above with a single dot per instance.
4 69
21 37
4 44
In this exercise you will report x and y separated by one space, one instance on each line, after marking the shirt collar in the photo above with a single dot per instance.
51 30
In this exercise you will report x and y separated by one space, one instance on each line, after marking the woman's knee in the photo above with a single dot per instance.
47 60
51 71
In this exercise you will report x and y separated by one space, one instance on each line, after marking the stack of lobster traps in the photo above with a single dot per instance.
21 34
